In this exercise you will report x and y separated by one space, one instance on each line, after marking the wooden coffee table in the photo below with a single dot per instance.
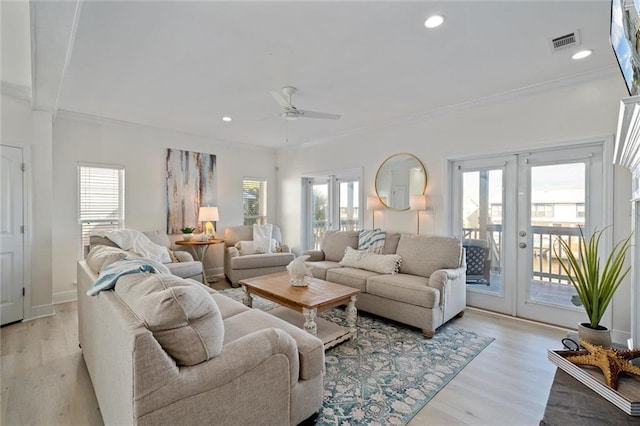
318 296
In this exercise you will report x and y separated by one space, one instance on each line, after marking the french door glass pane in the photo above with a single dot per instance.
349 206
557 210
320 211
482 218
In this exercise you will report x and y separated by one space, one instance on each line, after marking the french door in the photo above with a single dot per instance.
332 202
510 211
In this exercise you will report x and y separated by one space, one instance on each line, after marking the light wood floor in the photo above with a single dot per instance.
45 382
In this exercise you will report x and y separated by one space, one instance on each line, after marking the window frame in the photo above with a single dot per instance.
118 219
263 197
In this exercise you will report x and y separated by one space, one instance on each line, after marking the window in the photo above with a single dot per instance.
101 199
542 210
580 210
254 200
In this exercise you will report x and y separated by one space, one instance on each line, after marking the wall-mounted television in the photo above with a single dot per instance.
625 39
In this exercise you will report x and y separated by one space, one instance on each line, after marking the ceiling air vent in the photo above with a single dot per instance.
562 42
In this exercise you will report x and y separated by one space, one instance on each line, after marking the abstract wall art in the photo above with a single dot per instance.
191 183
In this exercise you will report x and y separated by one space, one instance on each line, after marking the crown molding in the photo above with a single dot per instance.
474 103
16 91
88 118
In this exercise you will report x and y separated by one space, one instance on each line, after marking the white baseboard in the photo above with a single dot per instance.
620 337
41 311
65 296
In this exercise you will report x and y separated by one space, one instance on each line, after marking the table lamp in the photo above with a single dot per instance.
373 204
417 203
208 214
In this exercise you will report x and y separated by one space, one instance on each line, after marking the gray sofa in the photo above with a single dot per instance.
239 266
255 368
184 266
429 289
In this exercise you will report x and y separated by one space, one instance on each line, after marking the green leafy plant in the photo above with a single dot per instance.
595 286
188 230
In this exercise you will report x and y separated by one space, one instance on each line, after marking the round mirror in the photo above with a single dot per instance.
398 178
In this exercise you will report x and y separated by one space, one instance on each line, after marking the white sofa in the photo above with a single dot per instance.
428 291
239 266
263 369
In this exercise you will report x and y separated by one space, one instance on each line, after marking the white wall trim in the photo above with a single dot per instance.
41 311
16 91
620 337
68 53
27 311
65 296
486 100
88 118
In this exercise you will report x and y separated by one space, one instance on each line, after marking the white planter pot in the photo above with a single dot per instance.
596 337
187 237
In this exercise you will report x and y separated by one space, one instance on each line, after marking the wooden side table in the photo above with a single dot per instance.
199 249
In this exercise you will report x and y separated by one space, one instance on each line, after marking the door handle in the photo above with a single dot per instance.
522 245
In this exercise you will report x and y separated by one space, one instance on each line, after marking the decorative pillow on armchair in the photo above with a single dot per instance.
262 237
246 247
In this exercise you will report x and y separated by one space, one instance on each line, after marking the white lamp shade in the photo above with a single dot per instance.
373 203
418 202
208 214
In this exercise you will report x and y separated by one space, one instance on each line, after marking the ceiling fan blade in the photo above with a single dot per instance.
314 114
281 100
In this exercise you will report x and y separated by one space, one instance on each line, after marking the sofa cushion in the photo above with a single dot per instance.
334 243
310 348
182 316
227 306
381 263
253 261
102 256
391 243
422 255
411 289
158 237
246 247
319 269
185 269
351 277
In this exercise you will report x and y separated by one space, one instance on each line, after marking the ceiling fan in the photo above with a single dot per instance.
290 112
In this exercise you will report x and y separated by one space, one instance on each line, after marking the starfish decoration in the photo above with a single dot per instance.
612 362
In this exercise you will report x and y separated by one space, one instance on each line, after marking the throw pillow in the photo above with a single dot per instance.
181 314
381 263
102 256
262 237
371 240
246 247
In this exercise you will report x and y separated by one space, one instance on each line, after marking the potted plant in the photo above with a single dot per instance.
594 283
187 233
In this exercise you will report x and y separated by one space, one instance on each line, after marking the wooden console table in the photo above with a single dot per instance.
572 403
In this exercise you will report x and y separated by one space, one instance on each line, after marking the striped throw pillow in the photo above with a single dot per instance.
371 240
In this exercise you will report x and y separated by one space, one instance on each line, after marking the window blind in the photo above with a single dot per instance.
254 200
101 200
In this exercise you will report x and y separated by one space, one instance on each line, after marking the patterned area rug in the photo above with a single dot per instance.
389 371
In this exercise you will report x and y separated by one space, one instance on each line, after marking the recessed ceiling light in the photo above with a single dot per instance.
227 118
581 54
434 21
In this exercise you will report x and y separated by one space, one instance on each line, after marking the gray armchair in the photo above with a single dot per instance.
239 266
184 266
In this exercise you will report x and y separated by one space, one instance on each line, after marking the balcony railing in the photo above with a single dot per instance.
546 267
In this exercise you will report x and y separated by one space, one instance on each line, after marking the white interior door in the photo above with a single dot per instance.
11 235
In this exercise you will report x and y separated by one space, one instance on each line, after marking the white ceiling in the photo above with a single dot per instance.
183 65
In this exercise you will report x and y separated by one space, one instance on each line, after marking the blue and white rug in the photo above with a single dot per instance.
389 371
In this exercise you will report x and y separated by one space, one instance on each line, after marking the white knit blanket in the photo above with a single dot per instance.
137 242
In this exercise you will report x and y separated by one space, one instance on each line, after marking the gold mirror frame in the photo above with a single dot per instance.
414 183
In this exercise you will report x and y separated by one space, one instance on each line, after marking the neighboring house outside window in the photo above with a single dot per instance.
254 200
101 199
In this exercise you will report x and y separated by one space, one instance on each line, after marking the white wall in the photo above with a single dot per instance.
142 152
32 131
557 115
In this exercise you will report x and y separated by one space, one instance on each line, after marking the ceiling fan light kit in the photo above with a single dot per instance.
290 112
